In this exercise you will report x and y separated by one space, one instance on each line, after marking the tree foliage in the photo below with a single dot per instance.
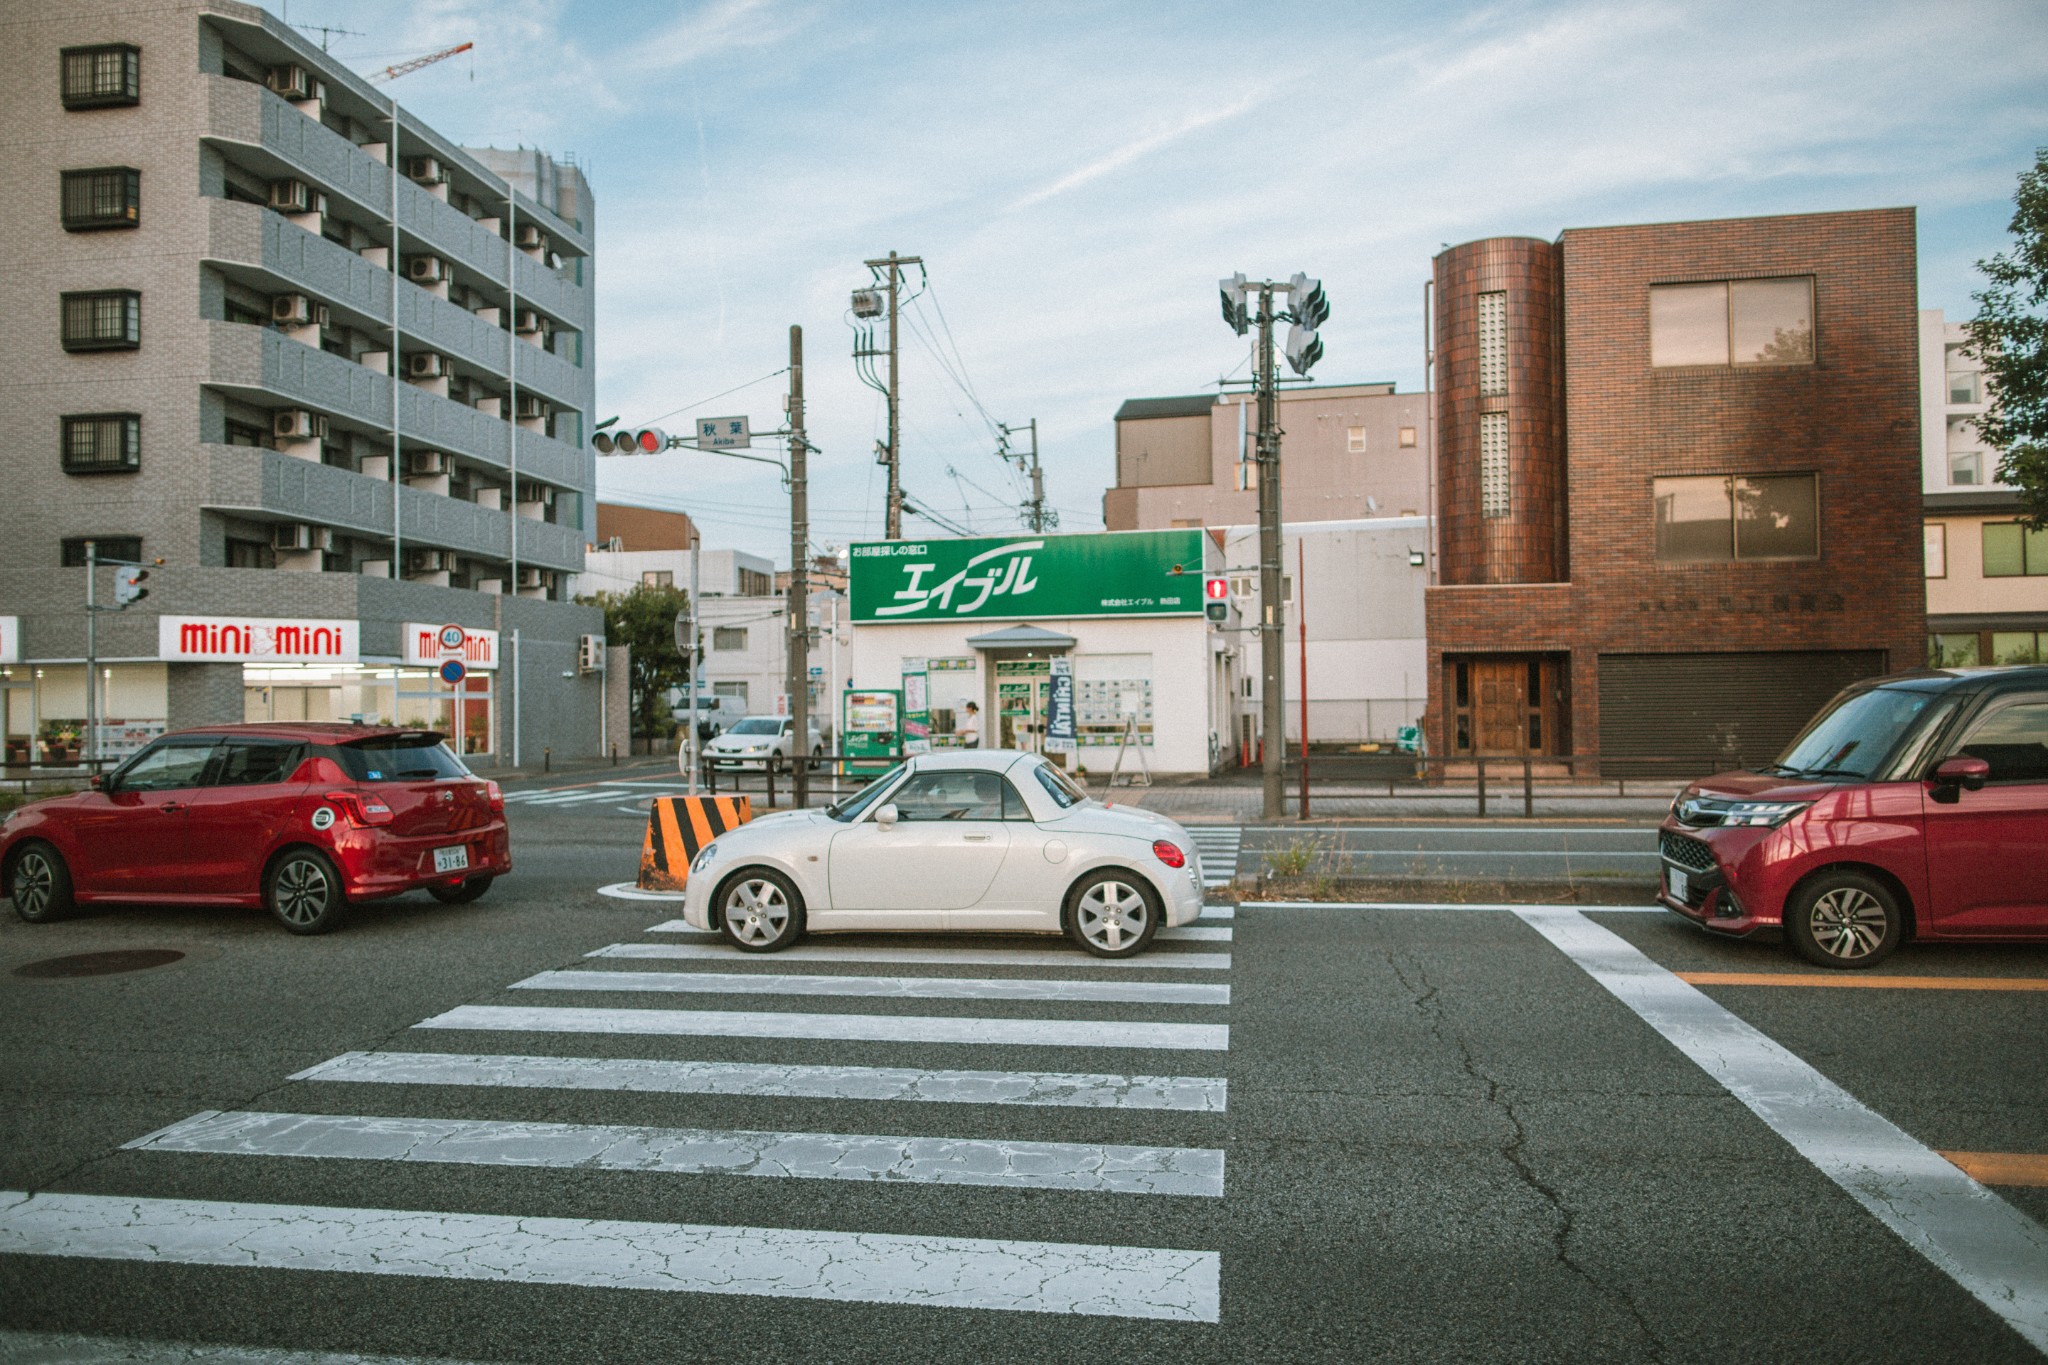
645 620
2010 337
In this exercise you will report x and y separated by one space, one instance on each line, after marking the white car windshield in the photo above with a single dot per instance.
852 806
1059 786
757 725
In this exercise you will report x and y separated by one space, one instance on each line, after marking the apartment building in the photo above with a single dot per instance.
330 369
1987 576
1678 489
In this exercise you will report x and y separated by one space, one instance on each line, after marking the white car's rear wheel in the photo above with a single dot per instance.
759 910
1112 914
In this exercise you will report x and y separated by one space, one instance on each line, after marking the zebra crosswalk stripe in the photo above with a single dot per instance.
1096 1169
857 1028
888 987
867 1267
1198 932
936 957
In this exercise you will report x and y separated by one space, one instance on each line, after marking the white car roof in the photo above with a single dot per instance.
975 760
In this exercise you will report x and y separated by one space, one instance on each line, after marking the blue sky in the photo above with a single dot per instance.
1077 176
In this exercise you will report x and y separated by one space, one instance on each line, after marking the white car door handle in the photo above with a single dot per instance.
975 838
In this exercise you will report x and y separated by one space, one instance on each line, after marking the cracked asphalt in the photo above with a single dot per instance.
1443 1142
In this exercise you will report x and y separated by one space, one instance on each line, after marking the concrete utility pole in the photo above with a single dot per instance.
1036 514
1272 618
799 608
92 657
891 269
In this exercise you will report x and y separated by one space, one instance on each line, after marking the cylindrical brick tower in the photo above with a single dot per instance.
1500 412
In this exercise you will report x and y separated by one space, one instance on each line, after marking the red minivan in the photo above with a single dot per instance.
300 818
1913 806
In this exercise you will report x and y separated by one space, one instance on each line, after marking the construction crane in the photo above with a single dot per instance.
392 73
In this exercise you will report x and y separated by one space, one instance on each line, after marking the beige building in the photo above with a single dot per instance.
1987 576
1349 451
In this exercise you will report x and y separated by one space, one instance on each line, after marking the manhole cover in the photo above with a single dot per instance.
101 964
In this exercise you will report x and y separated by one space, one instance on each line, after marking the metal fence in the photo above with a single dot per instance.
1493 785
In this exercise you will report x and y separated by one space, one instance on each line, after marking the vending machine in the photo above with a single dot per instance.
870 730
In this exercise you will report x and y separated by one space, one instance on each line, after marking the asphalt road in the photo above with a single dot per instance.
1444 1139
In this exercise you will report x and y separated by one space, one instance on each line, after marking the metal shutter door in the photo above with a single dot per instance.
1686 715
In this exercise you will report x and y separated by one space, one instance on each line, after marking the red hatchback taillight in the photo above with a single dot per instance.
497 795
366 811
1169 853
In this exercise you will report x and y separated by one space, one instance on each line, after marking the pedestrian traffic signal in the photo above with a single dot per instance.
1216 598
128 581
1236 312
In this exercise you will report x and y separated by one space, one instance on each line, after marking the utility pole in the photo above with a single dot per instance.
1272 621
799 608
92 657
889 269
1036 514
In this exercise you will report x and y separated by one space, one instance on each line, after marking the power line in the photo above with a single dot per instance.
716 396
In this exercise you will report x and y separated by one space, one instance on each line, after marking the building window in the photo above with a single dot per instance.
107 197
2012 551
1354 440
1934 540
231 311
1732 322
1952 651
754 583
97 77
736 690
1965 467
243 434
2018 646
729 637
250 554
658 578
1407 437
110 320
1729 517
102 443
1493 464
1493 343
1962 388
107 549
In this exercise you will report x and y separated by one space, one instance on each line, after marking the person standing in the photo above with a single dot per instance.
968 730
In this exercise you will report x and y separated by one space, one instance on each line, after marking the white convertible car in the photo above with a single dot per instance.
976 840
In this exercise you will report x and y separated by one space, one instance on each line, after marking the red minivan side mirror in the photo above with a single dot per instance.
1963 771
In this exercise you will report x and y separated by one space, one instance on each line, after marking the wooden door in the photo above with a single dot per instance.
1500 690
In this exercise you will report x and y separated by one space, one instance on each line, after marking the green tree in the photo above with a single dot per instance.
2010 337
645 620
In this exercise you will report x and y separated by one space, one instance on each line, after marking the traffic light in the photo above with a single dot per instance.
128 581
1236 311
1304 349
1310 310
631 441
1216 598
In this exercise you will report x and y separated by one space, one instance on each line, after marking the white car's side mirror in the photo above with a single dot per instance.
886 817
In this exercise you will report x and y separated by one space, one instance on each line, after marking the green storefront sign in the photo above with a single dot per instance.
996 578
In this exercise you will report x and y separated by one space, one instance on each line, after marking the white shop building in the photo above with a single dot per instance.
1108 625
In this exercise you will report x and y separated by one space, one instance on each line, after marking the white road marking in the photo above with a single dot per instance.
864 1028
938 1272
1445 905
63 1348
1076 1090
1976 1238
1195 932
627 891
1095 1169
885 987
1218 912
936 957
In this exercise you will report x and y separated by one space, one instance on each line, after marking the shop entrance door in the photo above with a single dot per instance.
18 721
1023 688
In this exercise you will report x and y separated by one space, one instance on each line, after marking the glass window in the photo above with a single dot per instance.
1494 498
242 434
94 77
400 758
110 320
1934 543
1770 322
852 806
2014 741
658 578
2011 550
107 197
250 554
1966 467
107 549
1493 342
2014 647
759 725
736 690
950 794
253 762
167 766
1775 517
1952 651
729 637
1962 388
1354 440
102 442
1852 737
1694 519
1063 789
1689 324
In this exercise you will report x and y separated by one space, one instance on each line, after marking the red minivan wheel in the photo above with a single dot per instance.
1845 919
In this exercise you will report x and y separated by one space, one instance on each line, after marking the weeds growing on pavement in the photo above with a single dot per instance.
1296 858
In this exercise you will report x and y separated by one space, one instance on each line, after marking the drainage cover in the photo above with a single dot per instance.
101 964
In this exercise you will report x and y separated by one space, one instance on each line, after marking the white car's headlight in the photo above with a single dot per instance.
1767 813
704 857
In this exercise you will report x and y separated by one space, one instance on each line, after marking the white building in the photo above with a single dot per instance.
723 573
1952 454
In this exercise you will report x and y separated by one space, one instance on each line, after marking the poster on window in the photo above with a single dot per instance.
917 714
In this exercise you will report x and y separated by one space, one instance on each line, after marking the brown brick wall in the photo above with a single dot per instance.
1851 417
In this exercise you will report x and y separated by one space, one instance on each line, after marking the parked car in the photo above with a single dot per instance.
713 715
1911 807
988 839
302 819
762 742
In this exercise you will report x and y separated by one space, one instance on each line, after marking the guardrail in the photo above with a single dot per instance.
1495 779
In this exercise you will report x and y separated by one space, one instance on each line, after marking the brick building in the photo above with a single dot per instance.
1678 485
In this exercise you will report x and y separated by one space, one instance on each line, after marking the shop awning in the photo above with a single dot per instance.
1022 637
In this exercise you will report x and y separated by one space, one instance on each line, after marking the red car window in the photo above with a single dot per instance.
2014 741
252 762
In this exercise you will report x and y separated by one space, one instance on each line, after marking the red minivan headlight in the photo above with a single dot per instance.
1169 853
1770 814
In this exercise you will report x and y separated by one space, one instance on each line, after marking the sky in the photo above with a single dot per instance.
1077 177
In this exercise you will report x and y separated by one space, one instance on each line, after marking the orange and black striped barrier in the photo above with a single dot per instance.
678 827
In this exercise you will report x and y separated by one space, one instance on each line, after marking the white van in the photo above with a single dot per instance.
713 715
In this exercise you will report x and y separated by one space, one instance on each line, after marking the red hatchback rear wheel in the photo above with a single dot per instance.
304 891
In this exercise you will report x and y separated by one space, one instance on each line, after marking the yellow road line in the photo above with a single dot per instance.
2002 1168
1895 983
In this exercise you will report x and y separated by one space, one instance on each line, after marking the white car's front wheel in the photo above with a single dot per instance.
1112 914
759 910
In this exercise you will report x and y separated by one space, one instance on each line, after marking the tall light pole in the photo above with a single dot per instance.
798 610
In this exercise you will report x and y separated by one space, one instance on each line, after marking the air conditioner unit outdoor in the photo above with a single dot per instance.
532 409
590 654
528 323
296 196
426 561
426 269
298 311
425 464
292 82
425 170
424 365
296 424
543 493
537 578
299 536
531 235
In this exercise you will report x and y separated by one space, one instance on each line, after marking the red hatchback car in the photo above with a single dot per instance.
1913 806
300 818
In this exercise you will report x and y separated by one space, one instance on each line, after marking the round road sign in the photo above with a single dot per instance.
452 671
452 637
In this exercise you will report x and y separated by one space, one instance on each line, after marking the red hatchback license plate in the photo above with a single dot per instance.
451 859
